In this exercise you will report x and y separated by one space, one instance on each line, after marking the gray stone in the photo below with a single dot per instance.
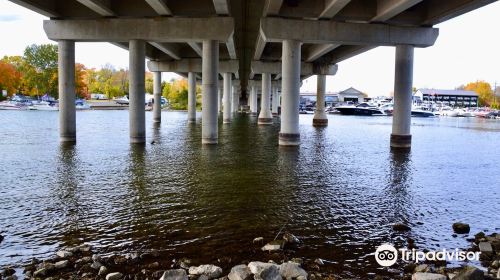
427 276
240 272
319 261
61 264
265 271
203 277
485 248
290 238
273 246
96 265
42 272
461 228
297 260
498 274
64 254
114 276
469 273
102 271
495 264
209 270
174 274
291 270
422 268
11 277
258 240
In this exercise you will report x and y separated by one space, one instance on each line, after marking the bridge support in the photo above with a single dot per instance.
236 99
289 133
191 97
320 118
275 101
265 116
210 81
137 115
227 96
219 100
403 83
157 97
67 110
253 101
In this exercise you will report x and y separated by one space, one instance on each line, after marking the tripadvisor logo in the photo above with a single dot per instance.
387 255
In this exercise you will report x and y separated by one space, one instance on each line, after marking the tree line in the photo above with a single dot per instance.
35 74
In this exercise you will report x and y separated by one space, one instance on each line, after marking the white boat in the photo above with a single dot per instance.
80 104
44 106
122 100
10 105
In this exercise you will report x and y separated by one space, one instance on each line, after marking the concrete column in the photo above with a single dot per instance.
137 116
157 97
227 96
320 118
219 100
275 101
403 83
289 134
67 110
254 100
191 97
210 81
265 116
236 99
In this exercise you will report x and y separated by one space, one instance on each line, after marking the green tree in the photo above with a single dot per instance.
42 75
483 89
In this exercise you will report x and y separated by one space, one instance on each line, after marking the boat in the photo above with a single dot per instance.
421 113
363 109
122 100
44 106
80 104
10 105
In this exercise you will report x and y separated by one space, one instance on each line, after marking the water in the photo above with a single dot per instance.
340 191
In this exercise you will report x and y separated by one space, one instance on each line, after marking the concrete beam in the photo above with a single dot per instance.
333 7
191 65
170 50
39 7
196 47
259 47
387 9
231 48
306 68
328 32
221 7
316 51
101 7
160 7
272 7
157 30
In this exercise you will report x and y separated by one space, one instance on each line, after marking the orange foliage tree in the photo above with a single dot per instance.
10 78
483 89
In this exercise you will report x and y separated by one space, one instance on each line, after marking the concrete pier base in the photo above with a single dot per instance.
289 134
403 83
137 112
210 81
67 109
275 101
157 97
320 118
265 116
191 97
227 99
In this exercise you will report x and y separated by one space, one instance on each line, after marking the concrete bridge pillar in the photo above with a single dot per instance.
67 110
289 133
227 96
253 101
403 83
265 116
157 97
236 99
320 118
191 97
275 101
219 100
137 115
210 81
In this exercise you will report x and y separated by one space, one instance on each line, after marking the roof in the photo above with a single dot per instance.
450 92
351 91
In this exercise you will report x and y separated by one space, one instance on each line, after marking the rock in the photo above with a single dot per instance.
291 270
96 258
1 238
64 254
265 271
495 264
498 274
273 246
209 270
400 227
319 261
203 277
461 228
8 271
40 273
240 272
469 273
290 238
96 265
61 264
258 240
479 236
427 276
154 265
297 260
184 263
102 271
85 248
422 268
11 277
114 276
485 248
174 274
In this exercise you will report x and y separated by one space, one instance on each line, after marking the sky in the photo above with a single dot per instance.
467 50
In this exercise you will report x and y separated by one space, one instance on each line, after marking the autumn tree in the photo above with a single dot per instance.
483 89
10 78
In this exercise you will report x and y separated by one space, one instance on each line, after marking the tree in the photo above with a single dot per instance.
42 75
149 82
10 78
483 89
80 81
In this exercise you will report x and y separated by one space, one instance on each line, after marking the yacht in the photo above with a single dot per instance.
363 109
44 106
122 100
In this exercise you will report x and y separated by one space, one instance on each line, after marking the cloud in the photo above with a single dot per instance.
7 18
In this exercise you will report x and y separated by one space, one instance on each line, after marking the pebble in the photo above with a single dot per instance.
174 274
290 238
291 270
209 270
102 271
240 272
461 228
427 276
114 276
61 264
258 240
64 254
273 246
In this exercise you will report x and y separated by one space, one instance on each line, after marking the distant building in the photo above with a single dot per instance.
351 94
332 98
452 98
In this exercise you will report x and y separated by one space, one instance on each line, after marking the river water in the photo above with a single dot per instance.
339 192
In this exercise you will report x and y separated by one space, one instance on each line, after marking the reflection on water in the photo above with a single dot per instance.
340 191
